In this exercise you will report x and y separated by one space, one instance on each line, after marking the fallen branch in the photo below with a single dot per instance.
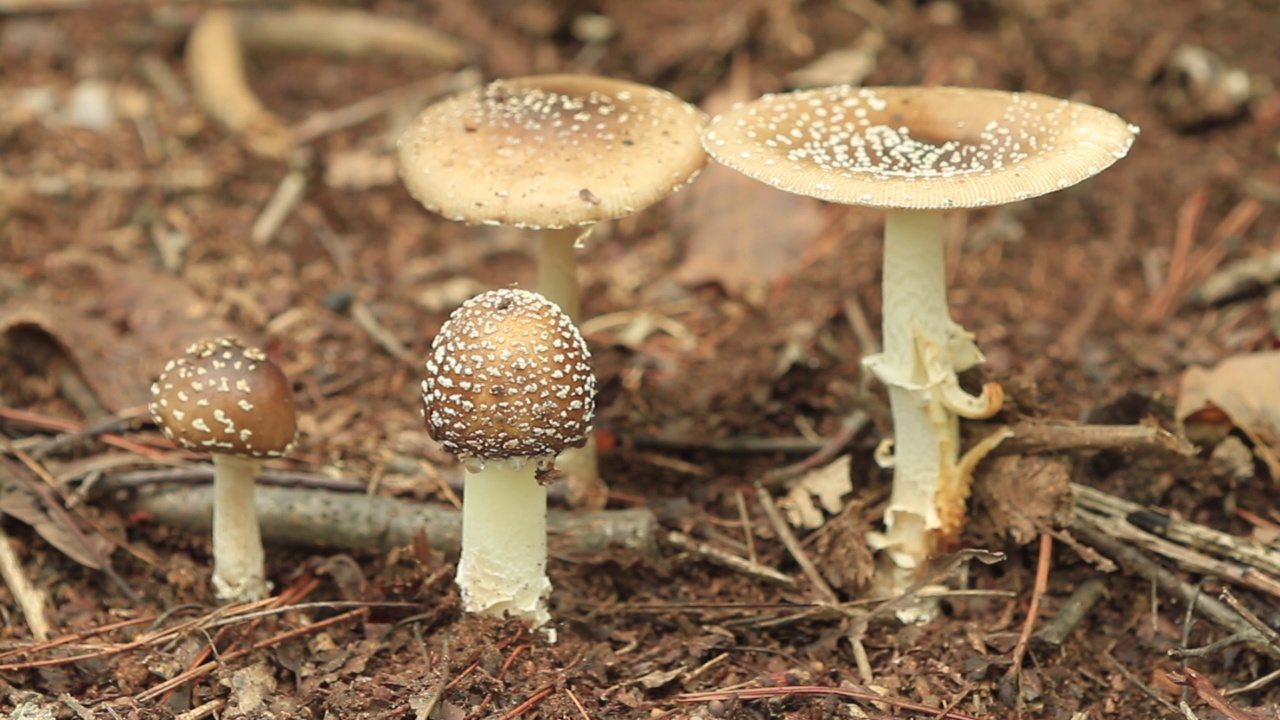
318 518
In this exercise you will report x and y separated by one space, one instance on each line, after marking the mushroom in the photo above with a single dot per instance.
914 151
555 153
508 386
230 400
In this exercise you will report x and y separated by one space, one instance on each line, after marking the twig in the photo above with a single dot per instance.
1138 683
784 690
318 518
577 703
1033 611
1188 222
365 319
789 540
204 474
1245 553
1072 612
278 209
1034 436
852 426
729 560
748 532
1206 691
1136 563
324 123
1250 617
31 600
531 702
178 680
857 318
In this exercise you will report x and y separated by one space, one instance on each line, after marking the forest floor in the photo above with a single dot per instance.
726 325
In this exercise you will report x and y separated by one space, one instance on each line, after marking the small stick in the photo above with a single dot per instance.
283 202
381 335
204 474
852 426
1073 611
203 710
577 703
330 121
31 600
729 560
1139 564
319 518
1189 214
1206 691
789 540
1033 610
748 532
1250 617
1137 682
857 318
1035 436
530 703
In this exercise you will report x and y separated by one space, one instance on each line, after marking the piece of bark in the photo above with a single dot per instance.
350 521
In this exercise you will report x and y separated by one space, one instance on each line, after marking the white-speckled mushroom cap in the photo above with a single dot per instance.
551 151
509 377
223 397
917 148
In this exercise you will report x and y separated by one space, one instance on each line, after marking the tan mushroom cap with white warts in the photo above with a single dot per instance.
223 397
917 148
551 151
509 377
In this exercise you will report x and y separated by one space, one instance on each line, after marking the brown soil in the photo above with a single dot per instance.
1063 293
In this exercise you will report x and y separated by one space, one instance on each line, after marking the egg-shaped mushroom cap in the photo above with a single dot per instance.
917 148
223 397
551 151
509 377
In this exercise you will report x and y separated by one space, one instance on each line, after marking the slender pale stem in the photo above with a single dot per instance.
239 571
558 282
503 568
558 269
926 434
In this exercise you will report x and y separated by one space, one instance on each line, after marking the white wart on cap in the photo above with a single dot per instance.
509 377
223 397
917 148
551 151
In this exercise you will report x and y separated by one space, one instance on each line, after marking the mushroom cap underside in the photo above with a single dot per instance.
509 376
551 151
223 397
921 148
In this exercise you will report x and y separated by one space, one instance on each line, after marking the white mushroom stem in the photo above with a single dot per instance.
921 349
239 564
558 282
558 269
503 568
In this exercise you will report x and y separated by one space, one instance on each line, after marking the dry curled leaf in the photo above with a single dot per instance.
1243 392
116 322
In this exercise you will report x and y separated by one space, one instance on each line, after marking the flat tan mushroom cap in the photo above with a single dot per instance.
509 377
917 148
223 397
551 151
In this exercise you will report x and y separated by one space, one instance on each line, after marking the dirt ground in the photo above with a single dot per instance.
726 325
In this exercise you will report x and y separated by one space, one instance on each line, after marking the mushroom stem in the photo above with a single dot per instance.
558 269
915 365
503 568
239 573
558 282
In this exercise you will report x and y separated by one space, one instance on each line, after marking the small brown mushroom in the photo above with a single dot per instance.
230 400
508 386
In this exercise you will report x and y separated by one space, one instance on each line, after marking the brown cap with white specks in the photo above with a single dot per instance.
917 148
509 377
551 151
223 397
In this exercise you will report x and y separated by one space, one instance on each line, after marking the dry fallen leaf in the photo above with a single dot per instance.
818 490
741 233
1246 390
116 322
